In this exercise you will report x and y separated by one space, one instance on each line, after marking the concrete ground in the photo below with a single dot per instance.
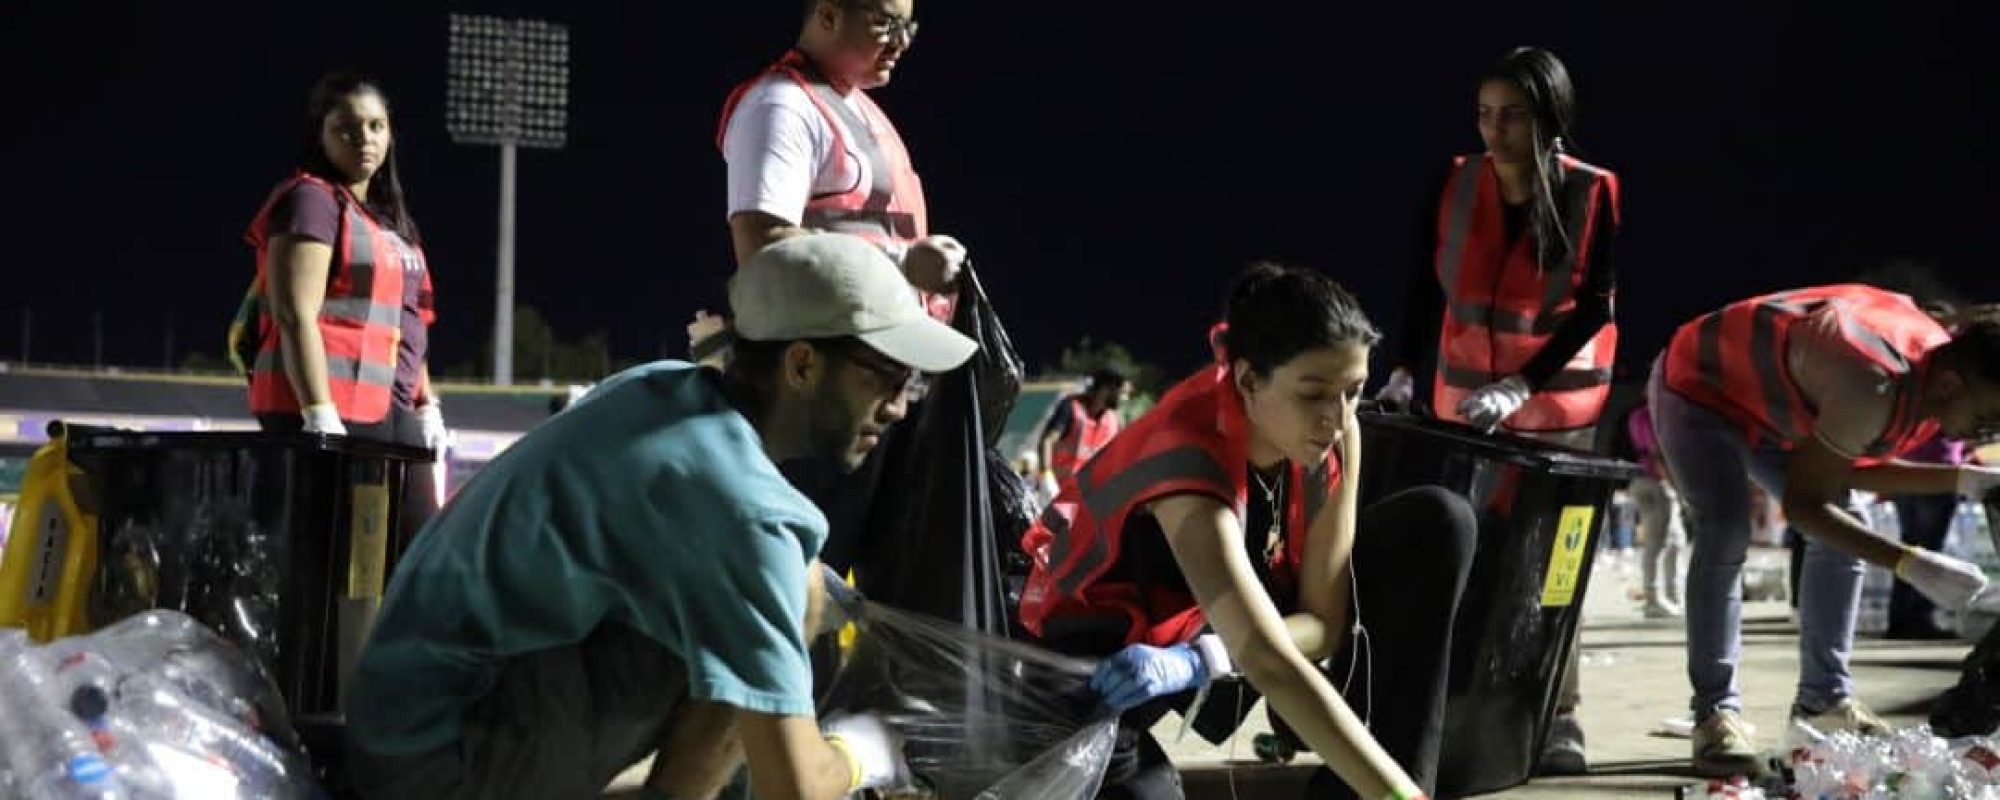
1633 679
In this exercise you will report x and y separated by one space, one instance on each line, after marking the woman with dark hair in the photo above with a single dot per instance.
342 304
1512 306
1222 528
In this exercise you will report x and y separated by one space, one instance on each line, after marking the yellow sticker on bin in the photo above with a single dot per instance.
368 540
1566 555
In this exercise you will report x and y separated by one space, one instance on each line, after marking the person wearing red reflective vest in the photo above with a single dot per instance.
1511 307
1081 425
1219 531
335 329
1513 303
1812 393
808 149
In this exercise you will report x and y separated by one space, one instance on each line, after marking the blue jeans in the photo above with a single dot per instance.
1712 465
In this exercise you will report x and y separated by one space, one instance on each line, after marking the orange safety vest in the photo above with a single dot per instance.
1502 304
1086 436
888 210
1733 361
1193 442
360 321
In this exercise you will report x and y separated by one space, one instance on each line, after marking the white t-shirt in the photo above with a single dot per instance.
780 151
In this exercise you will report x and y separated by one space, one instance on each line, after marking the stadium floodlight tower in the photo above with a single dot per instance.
508 86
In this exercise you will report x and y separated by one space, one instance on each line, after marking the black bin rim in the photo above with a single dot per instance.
100 441
1499 446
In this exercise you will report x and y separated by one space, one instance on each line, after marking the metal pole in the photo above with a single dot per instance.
503 287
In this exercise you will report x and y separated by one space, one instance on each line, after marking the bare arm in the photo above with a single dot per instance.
424 392
751 231
1901 477
701 753
1324 581
1817 480
790 760
295 288
1208 544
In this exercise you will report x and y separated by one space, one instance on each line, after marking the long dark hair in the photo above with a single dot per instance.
385 189
1543 78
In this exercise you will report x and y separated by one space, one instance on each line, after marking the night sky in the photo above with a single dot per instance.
1111 165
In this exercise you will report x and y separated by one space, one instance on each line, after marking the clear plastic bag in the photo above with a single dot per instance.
172 710
983 718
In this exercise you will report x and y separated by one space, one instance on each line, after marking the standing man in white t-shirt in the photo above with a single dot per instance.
808 150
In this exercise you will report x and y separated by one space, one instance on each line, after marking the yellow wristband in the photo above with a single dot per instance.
1903 563
853 764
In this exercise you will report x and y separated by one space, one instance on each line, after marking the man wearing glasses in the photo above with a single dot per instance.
808 150
635 577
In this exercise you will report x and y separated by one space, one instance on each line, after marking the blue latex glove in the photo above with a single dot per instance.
1141 673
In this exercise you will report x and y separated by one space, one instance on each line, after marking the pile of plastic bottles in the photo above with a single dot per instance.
1910 765
153 708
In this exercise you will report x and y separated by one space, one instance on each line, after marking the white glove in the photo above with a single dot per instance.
430 418
1976 482
1399 389
323 418
874 751
1947 581
1493 403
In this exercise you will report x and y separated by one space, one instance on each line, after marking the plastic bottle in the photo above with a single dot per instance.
222 750
47 748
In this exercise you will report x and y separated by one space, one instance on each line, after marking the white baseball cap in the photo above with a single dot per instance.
827 285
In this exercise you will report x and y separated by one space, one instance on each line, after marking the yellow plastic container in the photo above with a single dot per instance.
51 551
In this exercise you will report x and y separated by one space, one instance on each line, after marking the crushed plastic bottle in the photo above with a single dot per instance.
1910 764
47 749
155 707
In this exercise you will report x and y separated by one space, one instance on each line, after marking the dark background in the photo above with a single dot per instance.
1110 164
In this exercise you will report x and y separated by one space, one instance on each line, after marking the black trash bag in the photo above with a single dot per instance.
996 369
917 521
1972 708
1036 730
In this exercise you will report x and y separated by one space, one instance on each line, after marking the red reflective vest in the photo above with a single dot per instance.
1193 442
1502 304
1733 361
889 209
360 321
1086 435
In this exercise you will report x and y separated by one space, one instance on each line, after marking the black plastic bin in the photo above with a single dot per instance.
282 543
1541 509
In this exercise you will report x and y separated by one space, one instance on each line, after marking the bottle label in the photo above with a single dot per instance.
88 769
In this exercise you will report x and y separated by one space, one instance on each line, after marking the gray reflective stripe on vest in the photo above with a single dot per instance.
360 253
362 309
1059 539
1577 183
1708 353
1766 357
874 216
1566 380
1104 500
363 372
1458 221
1505 321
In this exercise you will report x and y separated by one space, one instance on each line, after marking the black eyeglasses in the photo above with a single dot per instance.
887 375
884 25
